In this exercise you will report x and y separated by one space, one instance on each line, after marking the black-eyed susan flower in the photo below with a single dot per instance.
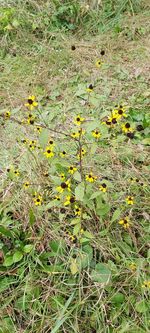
57 197
48 152
51 142
75 135
103 187
69 200
63 186
146 284
38 129
16 173
139 128
90 178
96 134
99 63
78 120
24 141
77 210
130 135
90 88
130 200
32 144
119 113
31 102
125 222
31 121
7 114
63 153
62 176
81 132
83 152
127 128
72 170
26 185
38 200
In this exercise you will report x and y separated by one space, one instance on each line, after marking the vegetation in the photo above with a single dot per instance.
74 150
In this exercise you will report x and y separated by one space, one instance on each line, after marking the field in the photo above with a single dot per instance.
74 166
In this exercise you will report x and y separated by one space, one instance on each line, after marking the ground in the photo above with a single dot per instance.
74 212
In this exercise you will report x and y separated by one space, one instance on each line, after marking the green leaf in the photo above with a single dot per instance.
95 195
146 141
116 215
17 256
79 191
6 232
8 261
141 306
43 137
87 234
77 176
101 273
74 267
76 229
32 217
118 298
28 248
90 127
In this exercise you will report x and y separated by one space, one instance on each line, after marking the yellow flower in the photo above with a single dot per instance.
90 178
75 135
119 112
16 173
127 128
38 129
63 153
81 131
69 200
38 200
99 63
62 176
57 197
31 120
48 153
96 134
90 88
72 170
83 152
132 266
51 142
146 284
125 222
24 141
32 144
103 187
26 185
7 114
31 102
78 120
130 200
63 186
77 210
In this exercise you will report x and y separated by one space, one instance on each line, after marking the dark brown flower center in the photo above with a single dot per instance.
30 101
63 185
127 125
104 185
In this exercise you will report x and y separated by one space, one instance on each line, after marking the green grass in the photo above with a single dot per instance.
61 272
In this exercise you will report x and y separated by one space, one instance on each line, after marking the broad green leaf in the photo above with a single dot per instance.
118 298
32 217
87 234
8 261
91 126
142 306
77 176
17 256
95 195
74 267
101 273
43 137
28 248
116 215
6 232
76 229
79 191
